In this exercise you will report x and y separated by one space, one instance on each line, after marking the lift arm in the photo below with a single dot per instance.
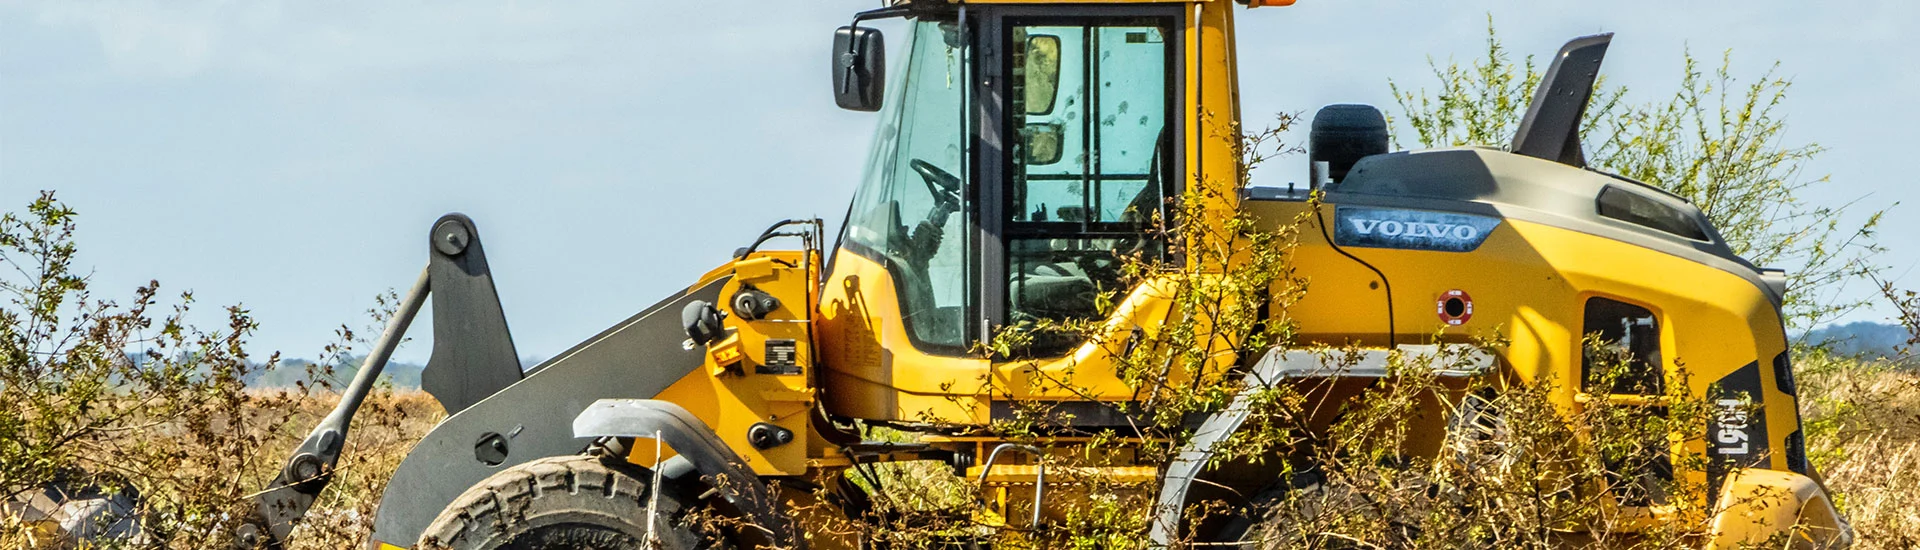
473 358
311 467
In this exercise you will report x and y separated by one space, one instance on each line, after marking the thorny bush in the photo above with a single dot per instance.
127 397
1717 141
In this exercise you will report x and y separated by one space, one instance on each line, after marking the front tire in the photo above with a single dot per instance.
570 503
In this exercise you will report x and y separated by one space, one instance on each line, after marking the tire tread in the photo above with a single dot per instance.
485 516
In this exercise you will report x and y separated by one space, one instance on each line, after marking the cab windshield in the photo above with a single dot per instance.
908 209
1079 175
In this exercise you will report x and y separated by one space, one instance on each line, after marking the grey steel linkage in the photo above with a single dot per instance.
308 472
1039 480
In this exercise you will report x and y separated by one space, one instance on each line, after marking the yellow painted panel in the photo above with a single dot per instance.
732 392
872 369
1529 284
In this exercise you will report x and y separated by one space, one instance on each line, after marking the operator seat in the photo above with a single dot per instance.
1068 286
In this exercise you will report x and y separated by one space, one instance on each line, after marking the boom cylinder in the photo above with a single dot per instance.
308 472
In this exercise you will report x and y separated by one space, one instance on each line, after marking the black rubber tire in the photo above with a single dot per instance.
1242 529
565 502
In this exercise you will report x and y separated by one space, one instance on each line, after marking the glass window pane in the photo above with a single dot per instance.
1632 208
1627 361
1131 115
1086 170
1062 277
1051 154
1095 152
1629 341
909 206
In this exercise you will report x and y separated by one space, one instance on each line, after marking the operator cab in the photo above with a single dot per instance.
1012 201
1021 153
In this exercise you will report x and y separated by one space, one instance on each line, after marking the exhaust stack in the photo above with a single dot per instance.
1551 129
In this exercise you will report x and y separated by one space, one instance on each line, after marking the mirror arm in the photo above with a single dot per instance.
882 13
852 46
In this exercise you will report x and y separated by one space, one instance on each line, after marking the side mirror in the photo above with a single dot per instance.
1042 73
1041 143
859 68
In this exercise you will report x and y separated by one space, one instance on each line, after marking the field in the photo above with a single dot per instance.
1864 436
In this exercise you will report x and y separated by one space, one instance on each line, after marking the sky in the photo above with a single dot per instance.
290 156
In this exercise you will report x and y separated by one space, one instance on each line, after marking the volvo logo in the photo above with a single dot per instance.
1392 228
1411 229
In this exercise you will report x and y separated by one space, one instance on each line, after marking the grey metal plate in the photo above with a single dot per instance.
1279 366
473 355
637 358
1446 361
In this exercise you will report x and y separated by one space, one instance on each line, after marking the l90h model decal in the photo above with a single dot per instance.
1737 431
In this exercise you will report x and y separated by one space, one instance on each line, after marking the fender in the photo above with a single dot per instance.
1278 367
1757 504
693 440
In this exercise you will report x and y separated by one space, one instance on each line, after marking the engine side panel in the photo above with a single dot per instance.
1529 281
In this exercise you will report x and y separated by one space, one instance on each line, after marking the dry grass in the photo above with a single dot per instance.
1863 431
383 432
1864 436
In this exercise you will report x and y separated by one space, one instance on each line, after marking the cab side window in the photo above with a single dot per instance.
1629 340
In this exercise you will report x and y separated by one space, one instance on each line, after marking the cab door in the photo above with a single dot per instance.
1086 100
1021 152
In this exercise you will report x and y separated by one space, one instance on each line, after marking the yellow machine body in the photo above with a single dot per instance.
740 384
1529 282
1458 243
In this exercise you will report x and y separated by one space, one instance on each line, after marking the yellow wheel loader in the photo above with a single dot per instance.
1020 144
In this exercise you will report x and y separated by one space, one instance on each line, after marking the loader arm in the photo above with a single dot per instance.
533 418
473 357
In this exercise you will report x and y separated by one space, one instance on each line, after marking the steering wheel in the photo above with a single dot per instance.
945 187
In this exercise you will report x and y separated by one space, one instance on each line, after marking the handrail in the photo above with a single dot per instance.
1040 474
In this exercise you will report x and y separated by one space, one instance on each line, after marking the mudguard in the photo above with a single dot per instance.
695 441
1757 504
1279 366
533 418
